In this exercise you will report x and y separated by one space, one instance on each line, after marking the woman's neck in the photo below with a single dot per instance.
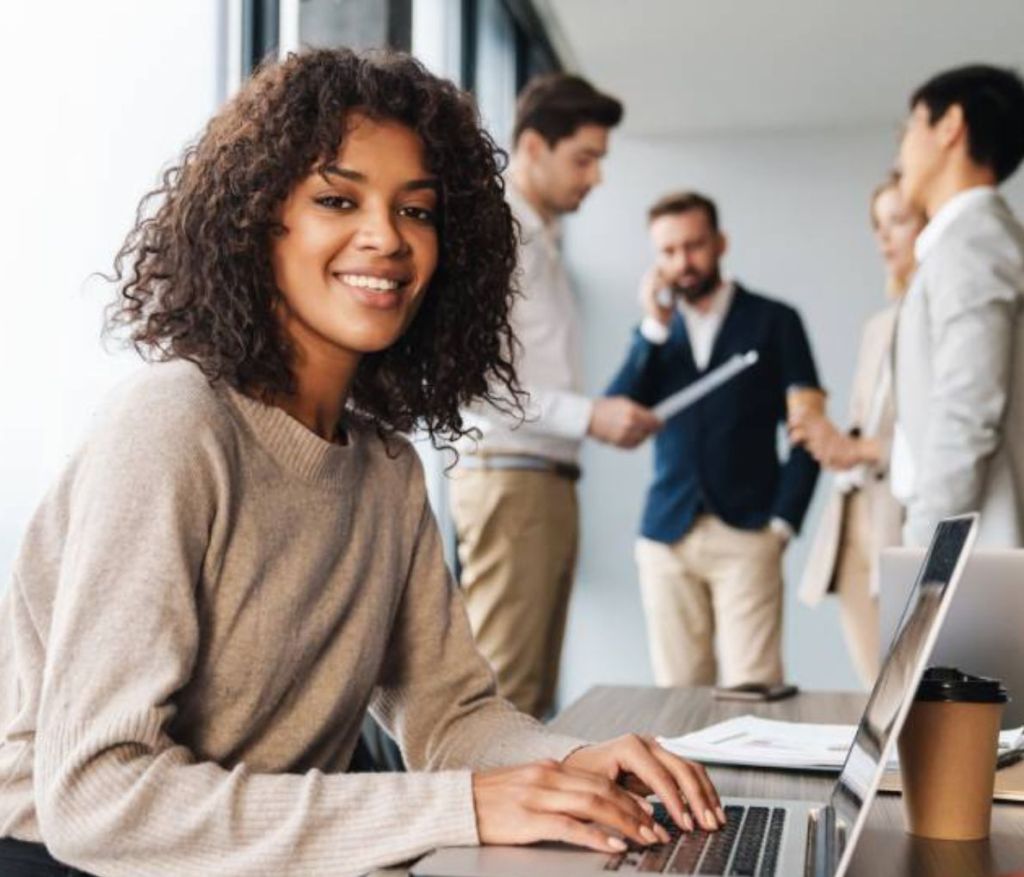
323 373
322 387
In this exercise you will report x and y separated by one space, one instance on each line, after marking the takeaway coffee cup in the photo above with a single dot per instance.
948 751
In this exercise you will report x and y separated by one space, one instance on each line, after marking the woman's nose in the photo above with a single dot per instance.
378 231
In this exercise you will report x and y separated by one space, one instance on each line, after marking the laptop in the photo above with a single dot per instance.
772 837
982 633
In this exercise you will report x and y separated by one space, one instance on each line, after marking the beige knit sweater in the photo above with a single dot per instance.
203 609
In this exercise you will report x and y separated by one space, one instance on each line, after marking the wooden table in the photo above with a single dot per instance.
883 850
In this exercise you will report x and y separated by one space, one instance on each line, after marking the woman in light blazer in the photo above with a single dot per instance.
862 517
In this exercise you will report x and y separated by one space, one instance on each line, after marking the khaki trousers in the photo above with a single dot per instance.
517 532
858 608
716 590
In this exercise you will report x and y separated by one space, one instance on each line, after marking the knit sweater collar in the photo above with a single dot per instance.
295 446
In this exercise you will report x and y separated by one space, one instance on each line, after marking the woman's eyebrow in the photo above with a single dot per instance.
357 177
426 183
342 172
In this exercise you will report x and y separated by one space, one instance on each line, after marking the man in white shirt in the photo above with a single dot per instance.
513 494
959 356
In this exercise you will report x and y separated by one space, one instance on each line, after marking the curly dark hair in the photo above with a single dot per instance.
194 275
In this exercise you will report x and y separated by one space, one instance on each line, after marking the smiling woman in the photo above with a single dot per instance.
354 257
202 284
240 561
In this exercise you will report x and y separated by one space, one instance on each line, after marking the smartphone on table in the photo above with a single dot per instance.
756 691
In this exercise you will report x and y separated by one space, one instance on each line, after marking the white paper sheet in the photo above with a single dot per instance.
699 388
757 742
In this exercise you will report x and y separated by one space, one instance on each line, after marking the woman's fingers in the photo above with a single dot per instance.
640 796
638 759
677 782
633 805
513 803
699 771
594 808
697 787
552 826
518 805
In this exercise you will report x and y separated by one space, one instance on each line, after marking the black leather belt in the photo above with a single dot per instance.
569 471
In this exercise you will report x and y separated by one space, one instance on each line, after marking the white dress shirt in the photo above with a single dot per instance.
546 322
902 469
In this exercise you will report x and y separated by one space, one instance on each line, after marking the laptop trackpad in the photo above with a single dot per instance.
537 860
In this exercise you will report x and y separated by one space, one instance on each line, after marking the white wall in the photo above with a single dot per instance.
795 208
98 97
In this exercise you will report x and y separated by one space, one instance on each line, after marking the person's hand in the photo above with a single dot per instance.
620 421
821 439
651 285
781 531
818 435
643 766
831 447
552 801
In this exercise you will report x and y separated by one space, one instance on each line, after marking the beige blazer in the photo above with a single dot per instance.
873 361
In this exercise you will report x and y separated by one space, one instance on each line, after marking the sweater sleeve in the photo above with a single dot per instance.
437 693
115 794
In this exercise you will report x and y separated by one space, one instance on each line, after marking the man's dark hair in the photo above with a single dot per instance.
556 105
684 202
992 99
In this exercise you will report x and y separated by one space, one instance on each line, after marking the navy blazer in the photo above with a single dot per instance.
720 455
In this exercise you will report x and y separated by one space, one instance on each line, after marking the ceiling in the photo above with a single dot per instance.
705 66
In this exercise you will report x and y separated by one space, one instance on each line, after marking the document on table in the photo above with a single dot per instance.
757 742
699 388
1009 785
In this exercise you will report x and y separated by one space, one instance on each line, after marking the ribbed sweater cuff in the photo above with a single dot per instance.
323 824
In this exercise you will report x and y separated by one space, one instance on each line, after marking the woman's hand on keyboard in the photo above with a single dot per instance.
552 801
641 764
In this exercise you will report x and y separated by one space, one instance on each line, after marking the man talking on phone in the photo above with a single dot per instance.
723 505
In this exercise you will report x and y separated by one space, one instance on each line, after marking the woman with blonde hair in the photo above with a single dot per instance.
862 517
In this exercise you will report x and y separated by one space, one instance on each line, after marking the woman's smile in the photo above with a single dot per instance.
381 290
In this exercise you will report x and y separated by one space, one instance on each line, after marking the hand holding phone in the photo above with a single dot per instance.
655 297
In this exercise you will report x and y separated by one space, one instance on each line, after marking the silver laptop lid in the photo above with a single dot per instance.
893 694
982 633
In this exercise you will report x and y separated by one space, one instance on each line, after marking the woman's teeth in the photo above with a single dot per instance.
381 284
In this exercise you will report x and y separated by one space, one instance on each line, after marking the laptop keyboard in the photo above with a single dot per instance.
747 845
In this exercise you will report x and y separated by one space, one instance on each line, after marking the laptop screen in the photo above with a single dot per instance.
901 672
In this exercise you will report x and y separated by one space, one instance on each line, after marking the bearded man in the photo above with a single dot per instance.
723 505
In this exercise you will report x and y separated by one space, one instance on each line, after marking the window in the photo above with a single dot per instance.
505 44
264 28
356 24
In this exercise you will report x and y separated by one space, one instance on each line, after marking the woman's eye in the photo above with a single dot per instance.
420 214
335 202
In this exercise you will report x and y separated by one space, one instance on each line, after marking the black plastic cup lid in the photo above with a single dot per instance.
948 685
